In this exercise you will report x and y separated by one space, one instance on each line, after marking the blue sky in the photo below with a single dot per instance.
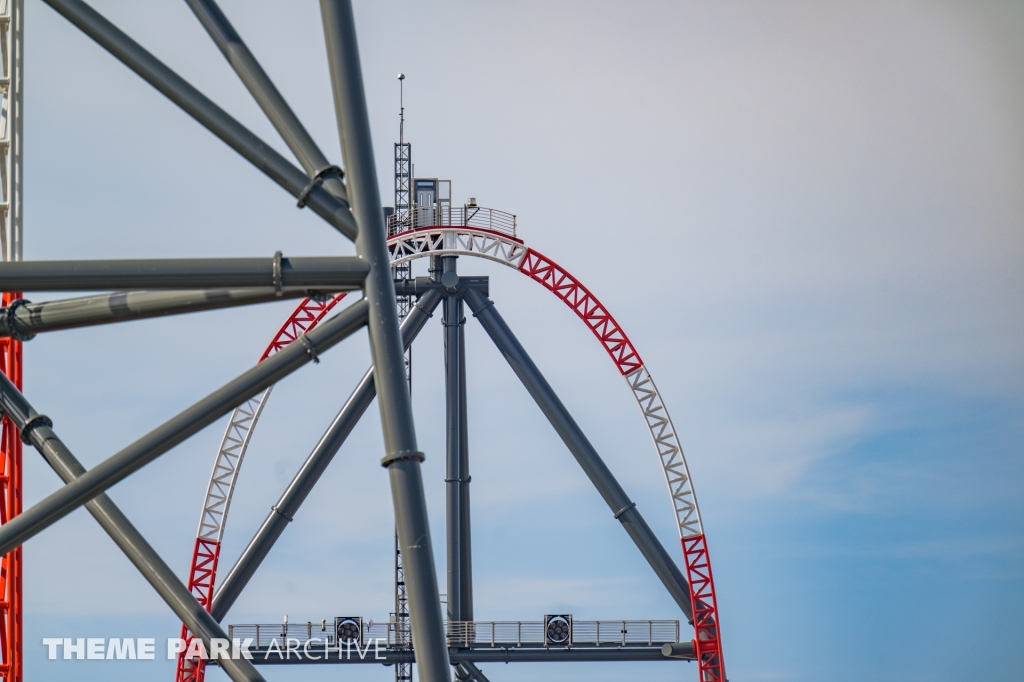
807 217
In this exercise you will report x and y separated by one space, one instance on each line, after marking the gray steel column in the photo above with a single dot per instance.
37 430
453 435
590 461
213 118
402 456
24 319
465 529
284 511
265 93
161 439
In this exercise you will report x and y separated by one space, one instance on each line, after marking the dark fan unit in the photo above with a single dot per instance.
348 628
558 630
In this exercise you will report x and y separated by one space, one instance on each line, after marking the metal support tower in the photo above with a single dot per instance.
402 271
11 53
403 636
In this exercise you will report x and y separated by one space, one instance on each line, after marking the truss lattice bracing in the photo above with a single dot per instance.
11 668
707 642
677 475
206 553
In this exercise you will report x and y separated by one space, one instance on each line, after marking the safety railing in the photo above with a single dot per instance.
582 633
508 633
453 216
263 634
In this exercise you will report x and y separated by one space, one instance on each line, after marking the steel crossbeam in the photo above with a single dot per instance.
24 319
330 273
178 428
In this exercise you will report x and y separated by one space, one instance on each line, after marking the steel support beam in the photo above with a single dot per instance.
402 457
481 655
420 285
37 430
24 319
266 94
465 527
287 506
332 273
589 460
213 118
452 321
158 441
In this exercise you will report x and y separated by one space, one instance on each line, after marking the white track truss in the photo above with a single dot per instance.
677 475
226 465
456 241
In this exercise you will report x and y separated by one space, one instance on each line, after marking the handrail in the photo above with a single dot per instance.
464 634
444 215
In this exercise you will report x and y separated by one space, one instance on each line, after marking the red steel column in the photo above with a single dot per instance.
11 658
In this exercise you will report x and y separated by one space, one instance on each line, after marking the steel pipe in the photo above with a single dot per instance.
337 273
452 320
213 118
37 430
465 528
265 93
288 505
589 460
158 441
402 456
24 319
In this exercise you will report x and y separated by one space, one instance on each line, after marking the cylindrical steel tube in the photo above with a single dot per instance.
23 319
335 273
402 455
453 442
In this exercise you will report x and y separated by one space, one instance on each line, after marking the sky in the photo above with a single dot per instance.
807 217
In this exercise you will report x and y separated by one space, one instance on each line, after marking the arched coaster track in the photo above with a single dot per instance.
513 253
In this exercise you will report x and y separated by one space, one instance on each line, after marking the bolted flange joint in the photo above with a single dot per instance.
12 321
388 460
